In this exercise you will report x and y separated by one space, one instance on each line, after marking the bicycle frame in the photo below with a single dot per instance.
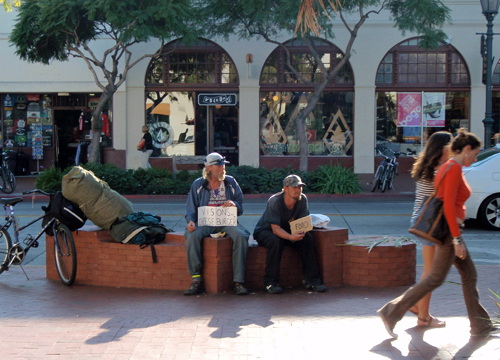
11 219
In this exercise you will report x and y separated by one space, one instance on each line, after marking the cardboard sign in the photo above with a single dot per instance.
303 224
217 216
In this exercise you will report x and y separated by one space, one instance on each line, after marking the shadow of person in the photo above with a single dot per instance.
117 327
229 328
386 348
474 344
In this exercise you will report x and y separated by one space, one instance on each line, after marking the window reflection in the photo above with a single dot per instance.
171 117
329 126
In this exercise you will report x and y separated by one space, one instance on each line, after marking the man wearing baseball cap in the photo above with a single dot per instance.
214 188
273 232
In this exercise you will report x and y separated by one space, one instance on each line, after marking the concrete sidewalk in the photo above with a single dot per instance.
43 319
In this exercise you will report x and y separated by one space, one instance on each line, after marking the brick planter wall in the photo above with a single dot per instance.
103 262
384 266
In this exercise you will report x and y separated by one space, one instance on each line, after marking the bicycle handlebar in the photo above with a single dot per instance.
395 153
36 191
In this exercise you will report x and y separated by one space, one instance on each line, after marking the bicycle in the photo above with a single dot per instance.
8 180
15 254
387 171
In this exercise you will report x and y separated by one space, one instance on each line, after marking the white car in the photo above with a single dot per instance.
484 179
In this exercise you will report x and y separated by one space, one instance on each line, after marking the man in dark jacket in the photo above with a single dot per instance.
215 188
273 232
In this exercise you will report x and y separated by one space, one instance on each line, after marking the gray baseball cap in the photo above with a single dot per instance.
215 159
293 181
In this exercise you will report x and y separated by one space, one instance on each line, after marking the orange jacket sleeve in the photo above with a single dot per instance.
447 192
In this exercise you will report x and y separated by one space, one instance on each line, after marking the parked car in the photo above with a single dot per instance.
484 179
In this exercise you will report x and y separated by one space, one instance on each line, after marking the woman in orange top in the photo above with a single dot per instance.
453 191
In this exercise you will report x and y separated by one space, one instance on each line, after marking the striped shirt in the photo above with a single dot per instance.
423 189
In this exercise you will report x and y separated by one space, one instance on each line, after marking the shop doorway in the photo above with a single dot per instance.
222 136
66 136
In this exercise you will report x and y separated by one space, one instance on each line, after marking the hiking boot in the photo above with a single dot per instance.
315 287
195 288
274 289
239 289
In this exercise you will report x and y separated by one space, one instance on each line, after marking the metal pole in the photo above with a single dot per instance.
488 121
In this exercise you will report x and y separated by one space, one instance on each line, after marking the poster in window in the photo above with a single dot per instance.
434 109
409 109
8 100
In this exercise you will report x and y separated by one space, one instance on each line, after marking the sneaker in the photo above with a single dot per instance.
315 287
491 331
239 289
195 288
274 289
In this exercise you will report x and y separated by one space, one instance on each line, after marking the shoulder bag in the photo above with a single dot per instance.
431 223
142 145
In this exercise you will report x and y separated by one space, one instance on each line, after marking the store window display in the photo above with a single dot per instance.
420 92
329 125
284 93
22 113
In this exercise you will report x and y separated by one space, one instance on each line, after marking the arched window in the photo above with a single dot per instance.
283 93
173 81
202 63
420 92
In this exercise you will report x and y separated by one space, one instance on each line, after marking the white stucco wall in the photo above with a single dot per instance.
375 38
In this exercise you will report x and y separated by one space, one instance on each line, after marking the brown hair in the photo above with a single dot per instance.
428 160
463 139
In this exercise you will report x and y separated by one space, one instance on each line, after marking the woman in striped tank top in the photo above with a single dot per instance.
435 153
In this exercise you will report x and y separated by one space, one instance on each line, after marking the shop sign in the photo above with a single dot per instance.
163 134
217 99
93 102
33 97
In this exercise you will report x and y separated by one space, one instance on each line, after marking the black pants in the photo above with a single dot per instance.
275 246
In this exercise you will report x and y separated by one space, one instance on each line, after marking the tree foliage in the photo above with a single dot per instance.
8 4
48 30
273 20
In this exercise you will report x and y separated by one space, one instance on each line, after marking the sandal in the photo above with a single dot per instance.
431 322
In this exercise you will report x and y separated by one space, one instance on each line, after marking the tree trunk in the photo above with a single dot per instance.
95 144
300 121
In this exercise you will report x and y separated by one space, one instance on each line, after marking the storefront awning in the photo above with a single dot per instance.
161 109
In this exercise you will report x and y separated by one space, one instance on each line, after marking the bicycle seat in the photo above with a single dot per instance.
11 201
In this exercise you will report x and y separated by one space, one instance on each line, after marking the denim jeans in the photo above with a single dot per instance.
444 257
238 234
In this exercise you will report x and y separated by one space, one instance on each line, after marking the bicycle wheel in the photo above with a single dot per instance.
376 181
391 179
65 254
9 182
5 245
387 178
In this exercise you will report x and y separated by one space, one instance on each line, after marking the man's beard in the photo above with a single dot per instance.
221 177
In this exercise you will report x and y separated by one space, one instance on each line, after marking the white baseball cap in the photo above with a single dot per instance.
215 159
